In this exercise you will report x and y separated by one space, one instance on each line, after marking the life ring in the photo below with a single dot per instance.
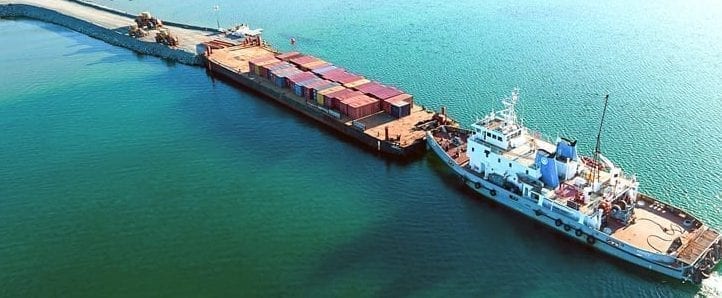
579 232
591 239
492 192
558 222
477 185
538 212
567 227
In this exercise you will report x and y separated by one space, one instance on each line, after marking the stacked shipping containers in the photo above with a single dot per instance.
330 86
362 106
343 100
321 95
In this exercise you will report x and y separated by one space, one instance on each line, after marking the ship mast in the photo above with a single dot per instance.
597 148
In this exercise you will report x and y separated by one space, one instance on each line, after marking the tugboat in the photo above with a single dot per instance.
587 198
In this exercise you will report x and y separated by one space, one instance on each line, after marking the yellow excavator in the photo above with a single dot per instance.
135 31
147 21
165 37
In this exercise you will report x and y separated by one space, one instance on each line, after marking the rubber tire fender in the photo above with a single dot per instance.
558 222
567 227
591 240
697 277
579 233
492 192
477 185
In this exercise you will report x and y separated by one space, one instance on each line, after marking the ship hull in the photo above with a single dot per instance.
560 223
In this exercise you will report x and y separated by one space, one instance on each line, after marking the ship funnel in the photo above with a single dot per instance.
545 161
567 149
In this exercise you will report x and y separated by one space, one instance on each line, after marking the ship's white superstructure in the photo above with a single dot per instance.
586 197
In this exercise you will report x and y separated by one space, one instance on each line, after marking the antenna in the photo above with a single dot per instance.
216 8
597 148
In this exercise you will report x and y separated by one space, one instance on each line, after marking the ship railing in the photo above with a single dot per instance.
538 135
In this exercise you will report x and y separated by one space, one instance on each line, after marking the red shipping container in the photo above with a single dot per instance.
303 60
334 73
344 99
335 97
361 106
369 87
386 92
348 79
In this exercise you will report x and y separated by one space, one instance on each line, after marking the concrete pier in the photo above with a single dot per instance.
111 26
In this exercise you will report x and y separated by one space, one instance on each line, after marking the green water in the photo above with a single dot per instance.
125 175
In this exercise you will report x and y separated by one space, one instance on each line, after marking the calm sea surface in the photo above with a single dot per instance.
127 175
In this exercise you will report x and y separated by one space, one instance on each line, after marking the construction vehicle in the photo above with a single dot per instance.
165 37
147 21
135 31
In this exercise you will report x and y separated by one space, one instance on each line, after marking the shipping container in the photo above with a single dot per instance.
258 66
299 77
308 87
288 56
333 73
322 70
369 87
297 83
400 109
356 83
313 92
306 84
361 106
321 95
341 101
350 78
331 99
280 79
299 86
385 92
279 66
303 60
265 68
314 65
406 98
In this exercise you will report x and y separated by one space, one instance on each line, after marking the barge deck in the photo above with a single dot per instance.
381 132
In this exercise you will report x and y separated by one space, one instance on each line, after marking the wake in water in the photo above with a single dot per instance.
711 287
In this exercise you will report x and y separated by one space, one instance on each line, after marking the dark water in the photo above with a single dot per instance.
125 175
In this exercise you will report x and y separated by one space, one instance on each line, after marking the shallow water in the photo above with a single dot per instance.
126 175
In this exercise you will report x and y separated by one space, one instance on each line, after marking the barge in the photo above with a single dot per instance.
382 118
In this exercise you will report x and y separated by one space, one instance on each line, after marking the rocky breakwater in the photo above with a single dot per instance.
116 36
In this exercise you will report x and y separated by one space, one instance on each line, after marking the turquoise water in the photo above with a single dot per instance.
126 175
